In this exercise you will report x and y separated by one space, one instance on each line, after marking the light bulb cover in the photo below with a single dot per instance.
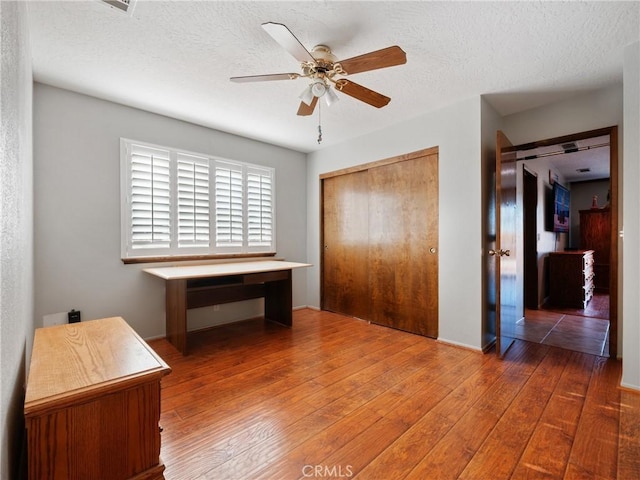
306 96
319 88
330 98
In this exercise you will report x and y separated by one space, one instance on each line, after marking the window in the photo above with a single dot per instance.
177 203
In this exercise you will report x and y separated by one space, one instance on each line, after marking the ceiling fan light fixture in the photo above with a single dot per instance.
330 98
307 95
318 87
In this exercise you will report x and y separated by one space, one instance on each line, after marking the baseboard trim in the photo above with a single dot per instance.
459 345
489 346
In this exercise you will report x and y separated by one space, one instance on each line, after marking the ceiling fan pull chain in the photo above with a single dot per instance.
319 125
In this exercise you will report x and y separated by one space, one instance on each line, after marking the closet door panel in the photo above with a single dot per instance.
345 275
403 245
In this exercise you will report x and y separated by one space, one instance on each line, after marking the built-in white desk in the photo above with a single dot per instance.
196 286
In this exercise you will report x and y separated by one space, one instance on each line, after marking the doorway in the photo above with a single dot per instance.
591 326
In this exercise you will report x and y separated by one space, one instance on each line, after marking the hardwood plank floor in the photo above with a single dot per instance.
336 397
598 307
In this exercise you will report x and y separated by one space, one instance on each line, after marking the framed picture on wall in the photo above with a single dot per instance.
561 208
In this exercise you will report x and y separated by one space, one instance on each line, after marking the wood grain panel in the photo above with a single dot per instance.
202 297
278 302
98 356
93 403
403 245
378 163
595 234
345 263
363 94
386 57
505 444
258 400
570 278
629 449
176 312
550 445
594 453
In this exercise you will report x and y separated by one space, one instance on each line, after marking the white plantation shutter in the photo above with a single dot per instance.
150 198
259 207
177 203
193 201
229 194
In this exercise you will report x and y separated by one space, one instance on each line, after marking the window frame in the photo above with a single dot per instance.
132 254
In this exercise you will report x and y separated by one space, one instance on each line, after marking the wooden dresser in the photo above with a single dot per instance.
571 278
93 403
595 234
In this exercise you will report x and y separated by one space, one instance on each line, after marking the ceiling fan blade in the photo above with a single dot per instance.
387 57
281 34
305 109
265 78
362 93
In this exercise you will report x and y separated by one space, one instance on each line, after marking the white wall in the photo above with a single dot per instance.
456 131
590 111
77 209
16 227
630 221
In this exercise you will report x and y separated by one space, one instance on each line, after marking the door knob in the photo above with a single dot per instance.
432 250
500 253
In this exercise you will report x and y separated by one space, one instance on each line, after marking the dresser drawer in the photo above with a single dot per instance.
571 278
587 262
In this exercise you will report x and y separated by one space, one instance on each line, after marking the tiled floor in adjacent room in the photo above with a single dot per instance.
573 329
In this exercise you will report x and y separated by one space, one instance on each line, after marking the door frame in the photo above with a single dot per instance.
614 204
530 237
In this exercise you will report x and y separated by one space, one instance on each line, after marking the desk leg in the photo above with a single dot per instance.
176 313
278 301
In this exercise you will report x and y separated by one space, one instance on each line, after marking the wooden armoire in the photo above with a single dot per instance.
595 234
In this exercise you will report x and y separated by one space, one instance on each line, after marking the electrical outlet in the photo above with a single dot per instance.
54 319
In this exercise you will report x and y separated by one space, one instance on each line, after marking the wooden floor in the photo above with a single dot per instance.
336 397
598 307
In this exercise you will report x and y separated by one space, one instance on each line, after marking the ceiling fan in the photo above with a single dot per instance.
322 68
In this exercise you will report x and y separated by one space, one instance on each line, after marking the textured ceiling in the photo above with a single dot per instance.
572 158
175 58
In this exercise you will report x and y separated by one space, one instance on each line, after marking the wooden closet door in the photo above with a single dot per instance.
403 245
345 274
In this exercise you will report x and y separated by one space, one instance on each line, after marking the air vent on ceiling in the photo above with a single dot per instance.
569 147
124 6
